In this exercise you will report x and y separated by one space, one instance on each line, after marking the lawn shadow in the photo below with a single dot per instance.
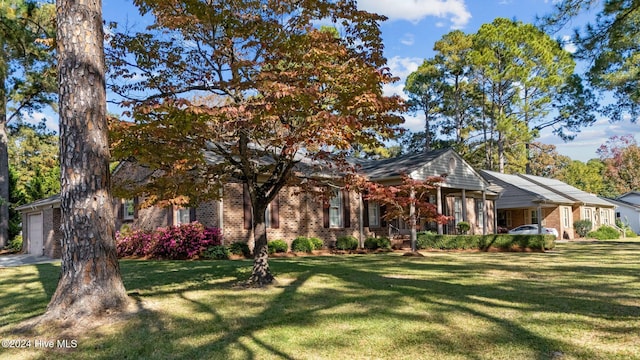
213 319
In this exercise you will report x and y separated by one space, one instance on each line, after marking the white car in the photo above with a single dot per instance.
532 229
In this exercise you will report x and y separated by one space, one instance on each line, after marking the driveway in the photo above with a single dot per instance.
23 259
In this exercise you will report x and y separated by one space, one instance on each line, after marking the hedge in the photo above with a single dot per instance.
485 242
604 233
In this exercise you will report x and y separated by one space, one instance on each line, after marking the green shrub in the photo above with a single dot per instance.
583 227
16 243
218 252
374 243
278 246
317 243
346 243
302 244
463 227
485 242
240 248
604 233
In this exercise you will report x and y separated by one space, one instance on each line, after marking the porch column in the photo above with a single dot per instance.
485 212
412 219
464 206
539 212
439 207
361 220
221 214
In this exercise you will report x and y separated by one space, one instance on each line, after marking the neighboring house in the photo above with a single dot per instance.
465 195
528 199
628 211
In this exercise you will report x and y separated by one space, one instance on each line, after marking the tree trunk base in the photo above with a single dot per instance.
261 281
68 322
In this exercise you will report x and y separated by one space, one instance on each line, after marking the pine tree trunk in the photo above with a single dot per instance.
4 166
260 275
90 283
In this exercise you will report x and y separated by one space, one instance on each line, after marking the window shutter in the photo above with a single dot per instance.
246 204
170 211
120 208
383 212
275 212
325 212
365 213
346 207
192 214
135 207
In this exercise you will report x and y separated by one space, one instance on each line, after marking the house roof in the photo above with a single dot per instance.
53 201
521 192
568 191
442 162
398 166
528 190
620 202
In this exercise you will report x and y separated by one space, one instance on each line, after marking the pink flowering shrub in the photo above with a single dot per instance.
186 241
133 243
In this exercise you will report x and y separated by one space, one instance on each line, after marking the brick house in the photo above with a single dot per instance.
528 199
465 195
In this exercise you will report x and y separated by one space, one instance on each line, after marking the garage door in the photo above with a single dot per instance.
35 234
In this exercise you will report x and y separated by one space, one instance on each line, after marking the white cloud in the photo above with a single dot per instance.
403 66
407 39
37 117
400 67
413 122
416 10
568 45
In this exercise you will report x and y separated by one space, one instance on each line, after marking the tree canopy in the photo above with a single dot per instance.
27 75
491 93
247 90
609 44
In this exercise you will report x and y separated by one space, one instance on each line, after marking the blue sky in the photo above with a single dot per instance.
415 25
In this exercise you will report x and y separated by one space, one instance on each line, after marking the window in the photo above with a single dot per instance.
566 217
374 214
457 209
587 214
480 212
335 210
604 215
267 216
128 209
534 216
183 216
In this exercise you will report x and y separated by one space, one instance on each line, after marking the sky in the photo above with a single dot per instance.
410 33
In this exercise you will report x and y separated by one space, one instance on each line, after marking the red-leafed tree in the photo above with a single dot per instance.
408 201
621 156
249 90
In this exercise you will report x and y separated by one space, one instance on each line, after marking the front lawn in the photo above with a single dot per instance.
580 301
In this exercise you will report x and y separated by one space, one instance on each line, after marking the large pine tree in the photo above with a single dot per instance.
90 284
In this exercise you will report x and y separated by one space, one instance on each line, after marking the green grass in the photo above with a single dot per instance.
581 300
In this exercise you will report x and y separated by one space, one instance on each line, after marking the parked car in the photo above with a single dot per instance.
532 229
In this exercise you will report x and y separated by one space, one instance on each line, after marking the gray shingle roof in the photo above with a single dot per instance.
568 190
398 166
50 201
540 193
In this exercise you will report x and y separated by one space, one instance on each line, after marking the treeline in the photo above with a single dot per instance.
489 95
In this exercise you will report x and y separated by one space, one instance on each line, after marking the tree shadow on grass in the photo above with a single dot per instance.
209 318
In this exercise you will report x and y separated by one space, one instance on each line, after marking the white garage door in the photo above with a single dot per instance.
35 234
